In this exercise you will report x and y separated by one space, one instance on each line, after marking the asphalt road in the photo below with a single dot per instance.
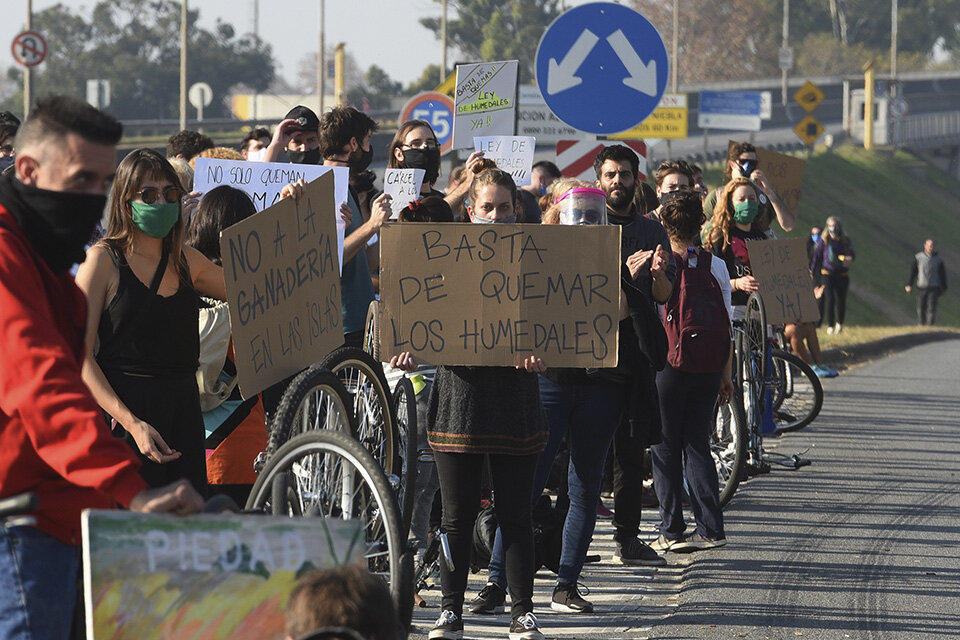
865 542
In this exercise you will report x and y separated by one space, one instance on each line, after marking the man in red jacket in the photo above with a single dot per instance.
53 439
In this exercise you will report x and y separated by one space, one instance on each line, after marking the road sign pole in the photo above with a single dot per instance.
786 44
27 71
183 65
868 106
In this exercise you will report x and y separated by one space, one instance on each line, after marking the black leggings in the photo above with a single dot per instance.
835 294
512 476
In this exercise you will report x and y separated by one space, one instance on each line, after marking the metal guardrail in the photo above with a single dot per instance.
929 130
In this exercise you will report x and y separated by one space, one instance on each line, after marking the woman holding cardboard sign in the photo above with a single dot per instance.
141 285
478 413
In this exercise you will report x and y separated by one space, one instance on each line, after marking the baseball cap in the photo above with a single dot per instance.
307 119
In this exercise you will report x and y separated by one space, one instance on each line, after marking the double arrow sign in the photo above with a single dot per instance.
561 75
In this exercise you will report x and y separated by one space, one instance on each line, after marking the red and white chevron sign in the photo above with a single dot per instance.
575 157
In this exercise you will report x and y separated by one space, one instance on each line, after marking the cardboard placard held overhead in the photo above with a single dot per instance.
782 268
202 576
263 181
283 286
470 294
485 101
403 187
785 174
513 154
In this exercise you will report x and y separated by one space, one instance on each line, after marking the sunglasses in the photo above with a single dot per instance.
151 195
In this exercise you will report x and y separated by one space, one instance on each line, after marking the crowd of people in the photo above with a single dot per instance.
118 387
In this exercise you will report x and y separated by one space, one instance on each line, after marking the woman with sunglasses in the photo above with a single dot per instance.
142 287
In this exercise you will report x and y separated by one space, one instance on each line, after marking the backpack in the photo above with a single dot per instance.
695 318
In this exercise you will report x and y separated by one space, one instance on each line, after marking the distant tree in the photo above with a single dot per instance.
376 92
498 29
427 81
132 44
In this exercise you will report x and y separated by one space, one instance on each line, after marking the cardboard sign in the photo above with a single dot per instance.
263 182
494 294
203 576
785 174
513 154
403 187
485 101
783 270
283 287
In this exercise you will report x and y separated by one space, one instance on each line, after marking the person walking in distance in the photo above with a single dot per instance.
929 275
831 259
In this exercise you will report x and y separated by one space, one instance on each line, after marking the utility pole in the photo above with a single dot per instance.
321 59
27 71
338 60
256 35
868 105
443 40
786 44
183 65
893 40
675 70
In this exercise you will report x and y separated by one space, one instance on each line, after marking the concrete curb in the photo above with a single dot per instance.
863 352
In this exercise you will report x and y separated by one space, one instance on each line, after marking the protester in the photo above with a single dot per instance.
742 162
806 344
298 137
187 144
585 407
53 441
254 144
929 274
671 176
9 124
831 258
218 153
141 285
698 369
349 597
235 429
648 275
490 414
542 175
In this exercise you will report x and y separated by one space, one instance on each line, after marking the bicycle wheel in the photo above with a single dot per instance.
755 330
405 408
748 392
798 394
330 475
363 378
371 330
315 399
728 446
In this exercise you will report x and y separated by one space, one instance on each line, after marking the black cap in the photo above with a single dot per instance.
307 119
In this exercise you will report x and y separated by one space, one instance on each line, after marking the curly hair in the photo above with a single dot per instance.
722 220
551 213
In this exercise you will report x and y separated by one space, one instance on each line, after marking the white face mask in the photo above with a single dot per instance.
256 156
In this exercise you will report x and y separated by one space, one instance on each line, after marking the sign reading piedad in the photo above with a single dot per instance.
494 294
283 286
602 67
485 101
783 270
202 576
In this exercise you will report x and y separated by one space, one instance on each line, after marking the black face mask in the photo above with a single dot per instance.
310 156
359 165
58 224
426 159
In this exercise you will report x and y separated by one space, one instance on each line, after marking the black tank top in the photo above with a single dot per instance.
144 333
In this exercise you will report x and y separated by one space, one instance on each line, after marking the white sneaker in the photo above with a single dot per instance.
838 328
829 331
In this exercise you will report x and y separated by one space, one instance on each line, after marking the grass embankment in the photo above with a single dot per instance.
888 204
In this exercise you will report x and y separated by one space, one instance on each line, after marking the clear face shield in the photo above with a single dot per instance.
583 206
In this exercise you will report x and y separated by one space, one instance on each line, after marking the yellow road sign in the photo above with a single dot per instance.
668 121
808 130
448 85
809 96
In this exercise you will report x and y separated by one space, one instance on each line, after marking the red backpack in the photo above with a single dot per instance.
695 318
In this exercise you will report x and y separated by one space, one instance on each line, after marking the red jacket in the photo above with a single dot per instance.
53 438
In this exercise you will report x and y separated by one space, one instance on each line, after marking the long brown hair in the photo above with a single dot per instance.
487 173
722 220
139 166
401 135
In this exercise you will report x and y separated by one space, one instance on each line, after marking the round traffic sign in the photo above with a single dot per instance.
899 107
200 95
436 109
602 67
29 48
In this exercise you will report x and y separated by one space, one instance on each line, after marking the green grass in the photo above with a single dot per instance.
888 204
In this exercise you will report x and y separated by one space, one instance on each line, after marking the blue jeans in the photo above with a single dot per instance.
38 585
686 411
588 414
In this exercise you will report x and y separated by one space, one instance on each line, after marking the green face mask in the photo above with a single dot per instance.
157 219
745 212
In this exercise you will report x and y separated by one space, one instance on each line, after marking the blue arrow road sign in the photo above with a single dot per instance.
739 110
602 67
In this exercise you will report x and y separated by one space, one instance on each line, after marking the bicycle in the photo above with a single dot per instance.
329 474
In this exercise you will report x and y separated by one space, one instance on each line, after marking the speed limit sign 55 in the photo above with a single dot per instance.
436 109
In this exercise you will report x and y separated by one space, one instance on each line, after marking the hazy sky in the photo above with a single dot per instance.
382 32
